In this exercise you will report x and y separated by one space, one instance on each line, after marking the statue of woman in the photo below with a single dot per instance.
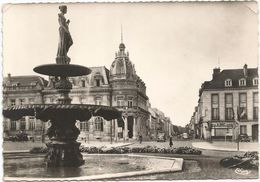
65 38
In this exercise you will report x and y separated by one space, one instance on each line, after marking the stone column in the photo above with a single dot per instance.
134 128
126 128
27 123
116 129
17 125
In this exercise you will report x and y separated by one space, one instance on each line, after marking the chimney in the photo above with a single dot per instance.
245 70
9 75
216 71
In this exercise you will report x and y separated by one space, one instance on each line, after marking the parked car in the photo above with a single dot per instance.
161 137
244 138
185 136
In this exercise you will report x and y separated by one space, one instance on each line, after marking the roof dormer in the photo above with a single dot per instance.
228 82
242 82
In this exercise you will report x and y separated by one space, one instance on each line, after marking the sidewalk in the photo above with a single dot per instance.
106 144
227 146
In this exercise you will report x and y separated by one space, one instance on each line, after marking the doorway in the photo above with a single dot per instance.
255 132
130 121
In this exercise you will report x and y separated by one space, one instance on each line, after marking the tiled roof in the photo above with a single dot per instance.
25 80
235 75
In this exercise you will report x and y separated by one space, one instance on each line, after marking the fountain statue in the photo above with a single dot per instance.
63 149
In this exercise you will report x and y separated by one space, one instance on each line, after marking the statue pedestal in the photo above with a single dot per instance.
64 154
62 60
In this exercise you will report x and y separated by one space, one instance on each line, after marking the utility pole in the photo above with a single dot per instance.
237 125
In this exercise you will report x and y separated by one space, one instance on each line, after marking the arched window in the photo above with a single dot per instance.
228 83
255 81
242 82
84 126
99 124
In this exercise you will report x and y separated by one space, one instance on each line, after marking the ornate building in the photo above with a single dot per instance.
231 94
119 87
19 90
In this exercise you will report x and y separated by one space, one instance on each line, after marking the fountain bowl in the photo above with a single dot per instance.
64 70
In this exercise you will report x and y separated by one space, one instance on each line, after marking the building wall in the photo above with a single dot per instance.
206 110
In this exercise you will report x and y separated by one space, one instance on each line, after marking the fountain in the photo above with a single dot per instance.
63 149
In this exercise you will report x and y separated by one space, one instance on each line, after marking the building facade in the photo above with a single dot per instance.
228 105
118 87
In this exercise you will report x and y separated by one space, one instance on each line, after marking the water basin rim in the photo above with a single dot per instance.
178 162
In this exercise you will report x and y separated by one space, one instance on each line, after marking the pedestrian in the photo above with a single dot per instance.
140 138
170 142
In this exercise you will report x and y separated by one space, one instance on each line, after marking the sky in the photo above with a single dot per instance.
174 46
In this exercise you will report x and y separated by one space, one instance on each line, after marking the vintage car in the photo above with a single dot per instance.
185 136
161 137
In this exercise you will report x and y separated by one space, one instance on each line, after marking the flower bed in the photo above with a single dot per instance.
39 150
123 150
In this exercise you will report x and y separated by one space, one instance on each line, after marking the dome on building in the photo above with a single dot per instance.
122 67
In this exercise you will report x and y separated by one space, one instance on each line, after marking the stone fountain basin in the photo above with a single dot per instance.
45 112
96 167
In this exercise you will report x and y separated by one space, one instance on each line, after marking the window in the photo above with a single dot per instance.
22 124
242 113
22 101
229 107
243 129
12 102
13 125
255 81
84 126
130 102
83 83
98 101
98 124
255 105
31 124
242 82
215 107
120 101
97 82
228 83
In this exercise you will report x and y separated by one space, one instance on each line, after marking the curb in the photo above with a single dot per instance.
16 151
223 150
